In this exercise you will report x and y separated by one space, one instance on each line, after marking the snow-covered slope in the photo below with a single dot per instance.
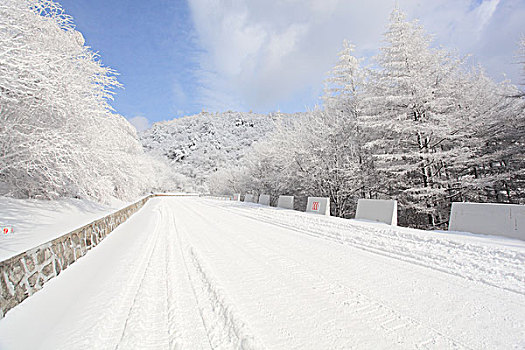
201 144
37 221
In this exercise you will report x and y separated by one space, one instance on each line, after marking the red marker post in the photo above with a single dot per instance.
318 205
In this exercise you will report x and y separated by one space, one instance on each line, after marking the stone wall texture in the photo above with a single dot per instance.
24 274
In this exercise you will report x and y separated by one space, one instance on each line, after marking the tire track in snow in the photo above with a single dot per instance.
175 323
115 319
469 261
186 328
97 316
364 309
224 327
147 324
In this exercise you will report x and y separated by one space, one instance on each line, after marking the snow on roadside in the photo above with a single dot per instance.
494 260
37 221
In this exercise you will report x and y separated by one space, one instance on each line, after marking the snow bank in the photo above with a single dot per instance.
26 273
38 221
496 261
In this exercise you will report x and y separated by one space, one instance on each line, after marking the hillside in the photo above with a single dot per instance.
198 145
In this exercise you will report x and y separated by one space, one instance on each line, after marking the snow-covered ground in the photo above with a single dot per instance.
38 221
198 273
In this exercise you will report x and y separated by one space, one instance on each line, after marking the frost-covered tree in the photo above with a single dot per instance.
437 131
344 102
345 83
58 136
412 102
521 62
494 172
200 145
313 155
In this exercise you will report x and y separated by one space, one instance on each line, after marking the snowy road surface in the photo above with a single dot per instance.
193 273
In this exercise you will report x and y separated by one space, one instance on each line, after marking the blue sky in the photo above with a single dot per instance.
151 45
179 57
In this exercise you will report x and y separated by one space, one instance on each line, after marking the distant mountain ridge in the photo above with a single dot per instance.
198 145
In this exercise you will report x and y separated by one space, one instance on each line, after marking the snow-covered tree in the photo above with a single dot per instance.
345 83
58 136
314 154
521 62
200 145
412 102
494 172
344 102
437 132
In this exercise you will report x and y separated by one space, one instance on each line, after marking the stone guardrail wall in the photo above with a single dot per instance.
223 198
26 273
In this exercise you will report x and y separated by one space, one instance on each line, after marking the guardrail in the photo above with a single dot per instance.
223 197
26 273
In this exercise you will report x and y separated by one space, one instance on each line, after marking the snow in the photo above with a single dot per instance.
196 273
38 221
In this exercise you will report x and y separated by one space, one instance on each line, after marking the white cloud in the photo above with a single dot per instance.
260 56
179 95
140 123
485 11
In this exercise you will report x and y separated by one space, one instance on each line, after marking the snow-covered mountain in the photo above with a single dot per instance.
199 145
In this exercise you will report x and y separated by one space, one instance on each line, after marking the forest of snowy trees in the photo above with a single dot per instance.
199 145
420 126
58 134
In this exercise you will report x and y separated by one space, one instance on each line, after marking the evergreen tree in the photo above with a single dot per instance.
412 102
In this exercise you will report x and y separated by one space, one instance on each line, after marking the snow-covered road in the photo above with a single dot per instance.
192 273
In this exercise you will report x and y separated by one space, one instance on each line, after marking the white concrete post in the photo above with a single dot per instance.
488 218
380 210
264 199
285 202
319 205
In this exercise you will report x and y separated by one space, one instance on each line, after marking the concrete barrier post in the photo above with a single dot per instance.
264 199
488 218
319 205
380 210
285 202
